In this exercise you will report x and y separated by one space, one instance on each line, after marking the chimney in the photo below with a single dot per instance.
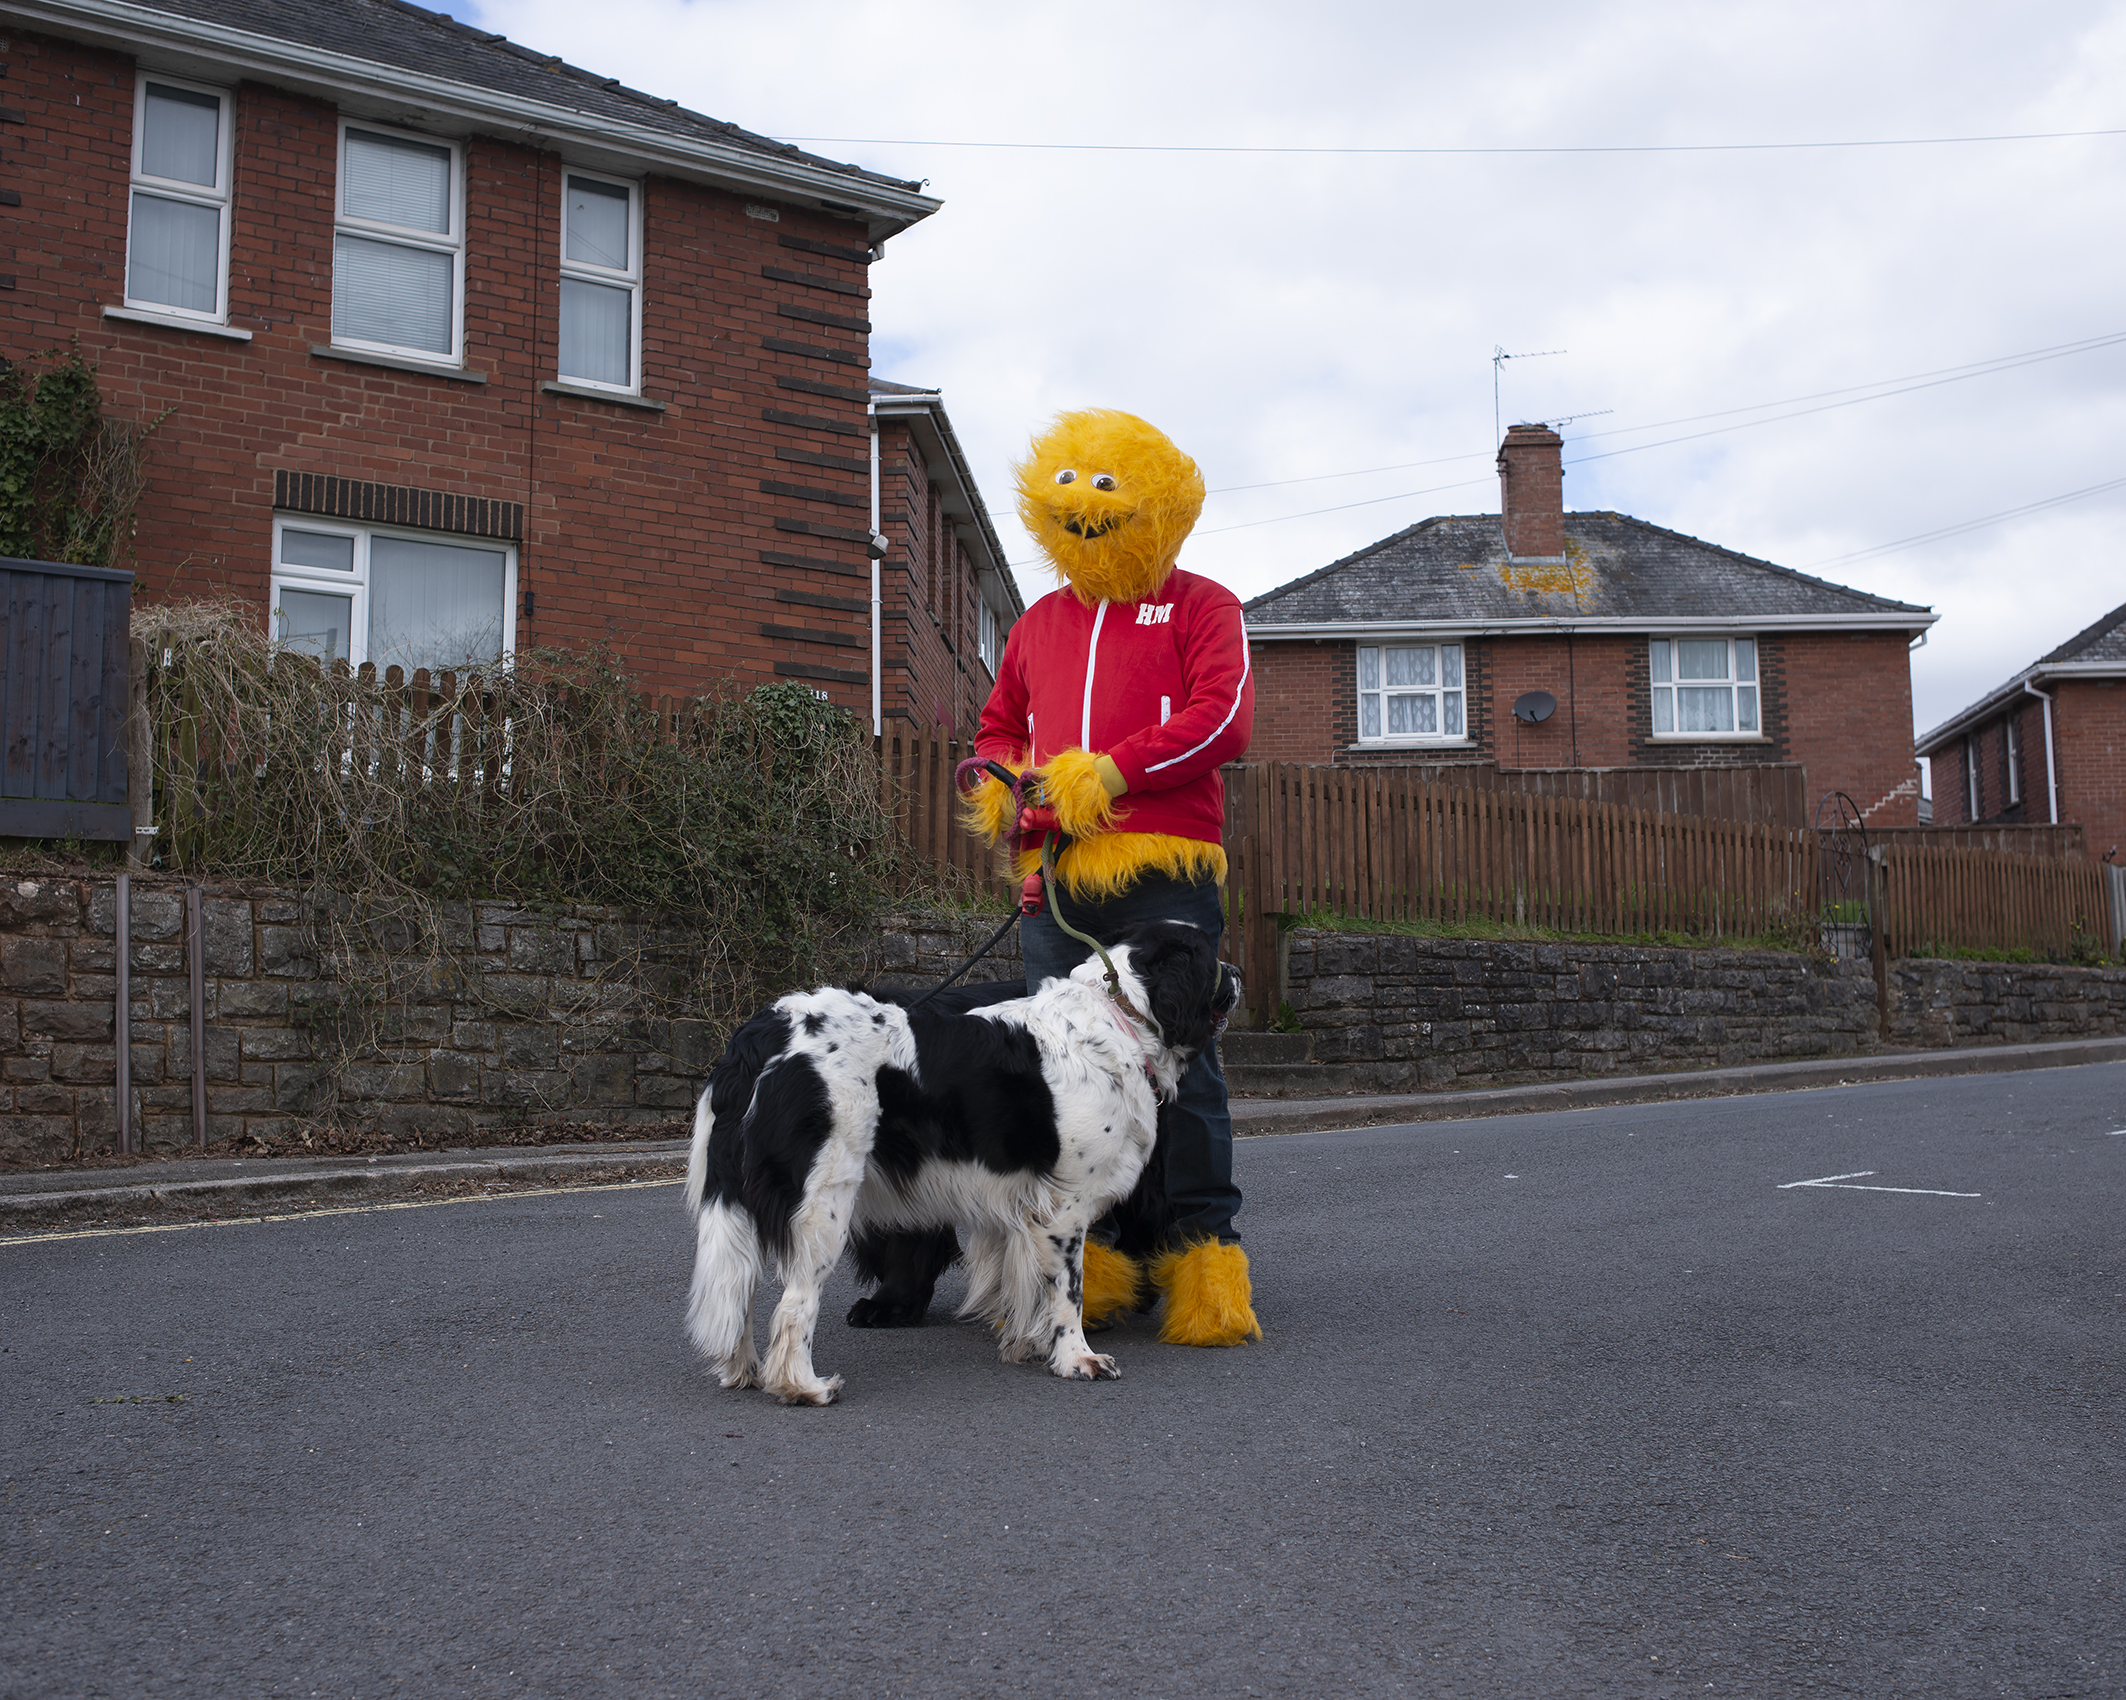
1532 493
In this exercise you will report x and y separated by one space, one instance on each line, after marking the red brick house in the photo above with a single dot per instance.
1657 651
2048 746
947 596
465 350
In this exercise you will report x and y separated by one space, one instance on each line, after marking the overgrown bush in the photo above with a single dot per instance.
756 820
70 478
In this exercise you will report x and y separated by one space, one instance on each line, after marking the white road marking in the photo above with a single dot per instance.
342 1210
1843 1183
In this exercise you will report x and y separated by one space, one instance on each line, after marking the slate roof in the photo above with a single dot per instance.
2100 647
1454 569
412 38
2095 645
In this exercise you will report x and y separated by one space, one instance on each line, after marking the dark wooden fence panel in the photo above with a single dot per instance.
64 701
1767 793
2048 843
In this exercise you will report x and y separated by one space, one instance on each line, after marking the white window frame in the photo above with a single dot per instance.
1734 683
2012 755
1439 690
355 583
376 230
630 279
989 643
1972 792
169 189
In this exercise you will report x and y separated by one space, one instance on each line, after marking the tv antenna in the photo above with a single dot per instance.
1499 357
1570 417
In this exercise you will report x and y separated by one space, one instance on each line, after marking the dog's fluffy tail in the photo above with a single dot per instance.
727 1269
698 1155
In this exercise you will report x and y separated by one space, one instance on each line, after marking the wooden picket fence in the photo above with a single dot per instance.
1937 898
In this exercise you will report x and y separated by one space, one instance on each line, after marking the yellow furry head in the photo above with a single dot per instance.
1209 1299
1110 501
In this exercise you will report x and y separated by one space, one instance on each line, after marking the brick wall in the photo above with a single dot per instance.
1848 707
935 679
719 538
1839 703
2090 734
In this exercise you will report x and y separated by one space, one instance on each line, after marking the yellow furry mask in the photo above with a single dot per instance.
1110 501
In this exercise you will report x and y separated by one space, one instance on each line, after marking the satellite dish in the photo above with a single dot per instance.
1533 707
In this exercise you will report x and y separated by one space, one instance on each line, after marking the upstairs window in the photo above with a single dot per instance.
601 282
1410 692
1704 687
986 635
398 250
177 228
2012 755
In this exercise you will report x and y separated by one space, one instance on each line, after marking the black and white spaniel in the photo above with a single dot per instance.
833 1114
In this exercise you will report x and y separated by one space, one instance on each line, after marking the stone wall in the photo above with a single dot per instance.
534 1017
1939 1004
1430 1013
1422 1013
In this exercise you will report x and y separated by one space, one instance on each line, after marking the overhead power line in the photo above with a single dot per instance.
1962 526
1880 389
1576 148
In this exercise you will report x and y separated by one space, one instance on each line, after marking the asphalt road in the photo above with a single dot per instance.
1578 1403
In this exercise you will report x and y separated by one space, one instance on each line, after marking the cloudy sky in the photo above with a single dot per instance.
1804 353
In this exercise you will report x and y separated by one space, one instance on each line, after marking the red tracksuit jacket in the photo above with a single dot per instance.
1162 687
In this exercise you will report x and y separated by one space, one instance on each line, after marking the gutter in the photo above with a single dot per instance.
2052 784
1386 631
878 607
152 36
930 409
1994 701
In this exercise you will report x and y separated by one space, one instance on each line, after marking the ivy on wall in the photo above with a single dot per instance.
70 478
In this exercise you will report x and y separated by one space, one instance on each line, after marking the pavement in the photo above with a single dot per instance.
33 1200
1778 1394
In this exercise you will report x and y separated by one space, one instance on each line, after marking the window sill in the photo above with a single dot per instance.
619 398
397 362
1413 744
1707 738
171 322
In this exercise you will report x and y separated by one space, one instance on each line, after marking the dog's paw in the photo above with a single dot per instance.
1016 1351
1089 1366
878 1311
817 1393
748 1377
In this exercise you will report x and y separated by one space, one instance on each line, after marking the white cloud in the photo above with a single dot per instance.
1288 316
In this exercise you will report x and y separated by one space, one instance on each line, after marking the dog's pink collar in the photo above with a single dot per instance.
1127 1018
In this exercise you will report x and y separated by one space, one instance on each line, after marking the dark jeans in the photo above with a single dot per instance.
1197 1127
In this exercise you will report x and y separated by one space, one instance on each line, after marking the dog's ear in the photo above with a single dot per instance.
1177 969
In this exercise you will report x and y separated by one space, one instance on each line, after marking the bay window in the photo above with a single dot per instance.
1704 687
410 600
1410 692
398 249
601 282
177 223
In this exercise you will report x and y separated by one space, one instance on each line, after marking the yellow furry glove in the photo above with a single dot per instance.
988 810
1082 787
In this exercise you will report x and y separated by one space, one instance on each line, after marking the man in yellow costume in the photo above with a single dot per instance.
1126 689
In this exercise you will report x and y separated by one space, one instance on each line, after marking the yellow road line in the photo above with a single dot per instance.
339 1210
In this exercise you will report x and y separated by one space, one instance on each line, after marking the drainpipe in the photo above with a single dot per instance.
2052 784
878 551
